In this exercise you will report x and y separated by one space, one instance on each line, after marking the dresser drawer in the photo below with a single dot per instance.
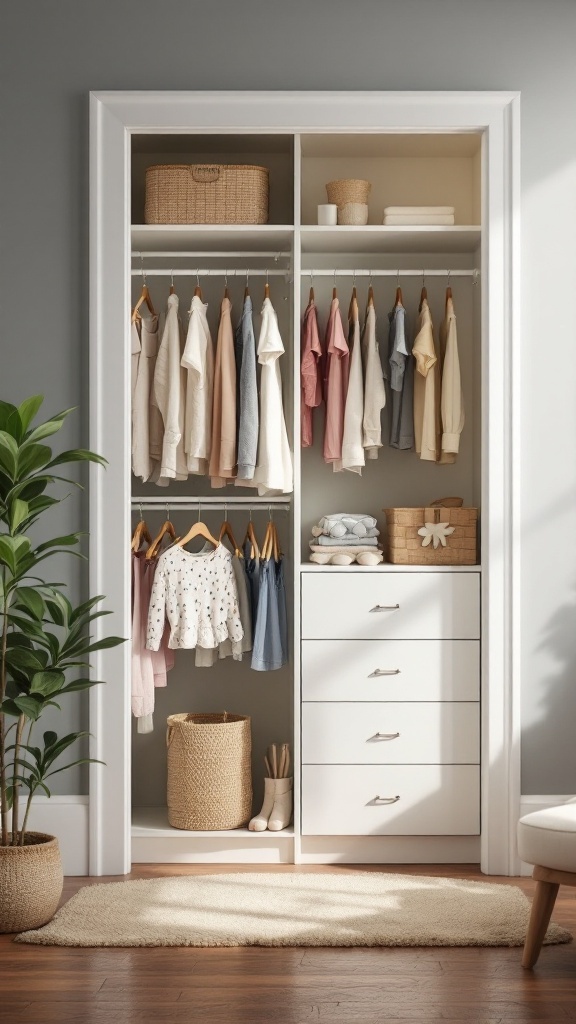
374 670
361 800
390 606
394 733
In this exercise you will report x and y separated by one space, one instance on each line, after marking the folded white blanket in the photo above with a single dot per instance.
419 210
422 219
347 541
340 524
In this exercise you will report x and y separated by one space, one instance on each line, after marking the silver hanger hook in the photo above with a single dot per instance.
353 278
225 510
198 278
142 268
423 277
398 278
167 512
225 278
199 510
171 278
448 282
311 278
270 513
141 516
250 514
247 275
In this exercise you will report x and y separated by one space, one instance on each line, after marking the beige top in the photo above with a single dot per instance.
352 449
169 392
374 391
452 400
223 455
198 361
425 382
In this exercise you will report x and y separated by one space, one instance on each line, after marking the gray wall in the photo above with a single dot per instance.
55 51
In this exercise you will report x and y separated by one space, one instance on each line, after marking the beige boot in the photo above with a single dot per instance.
260 822
282 809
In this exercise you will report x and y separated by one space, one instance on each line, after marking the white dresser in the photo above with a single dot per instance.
390 713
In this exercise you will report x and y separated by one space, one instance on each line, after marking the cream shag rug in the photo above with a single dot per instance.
356 908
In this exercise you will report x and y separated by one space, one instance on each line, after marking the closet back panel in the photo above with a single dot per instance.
396 478
227 686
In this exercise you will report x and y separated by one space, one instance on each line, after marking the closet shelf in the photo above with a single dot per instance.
381 238
152 823
387 567
182 237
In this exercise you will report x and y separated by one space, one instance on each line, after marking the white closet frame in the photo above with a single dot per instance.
114 117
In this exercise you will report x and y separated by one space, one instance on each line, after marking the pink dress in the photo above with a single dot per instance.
149 668
310 376
336 385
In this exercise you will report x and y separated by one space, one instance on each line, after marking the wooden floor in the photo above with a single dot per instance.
289 986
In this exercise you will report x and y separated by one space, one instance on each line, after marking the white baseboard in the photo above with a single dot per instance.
65 817
528 804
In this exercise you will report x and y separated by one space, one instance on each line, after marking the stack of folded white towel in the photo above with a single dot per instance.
418 215
345 537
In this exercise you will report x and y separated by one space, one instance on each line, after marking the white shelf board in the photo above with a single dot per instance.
381 238
186 237
387 567
152 823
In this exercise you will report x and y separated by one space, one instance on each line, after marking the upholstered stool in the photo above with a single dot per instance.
547 839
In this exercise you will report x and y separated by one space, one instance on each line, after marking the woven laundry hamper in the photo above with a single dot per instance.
457 545
209 771
206 194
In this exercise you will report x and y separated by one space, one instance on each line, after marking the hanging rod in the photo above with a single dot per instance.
212 255
220 272
185 502
209 506
390 273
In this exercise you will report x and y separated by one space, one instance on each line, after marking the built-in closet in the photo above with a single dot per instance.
382 700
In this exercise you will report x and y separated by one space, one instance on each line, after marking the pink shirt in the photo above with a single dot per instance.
337 371
310 379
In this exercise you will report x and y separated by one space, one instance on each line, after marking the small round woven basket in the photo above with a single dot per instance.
31 882
209 771
353 213
348 190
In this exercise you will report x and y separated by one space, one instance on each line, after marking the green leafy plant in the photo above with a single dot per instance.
45 640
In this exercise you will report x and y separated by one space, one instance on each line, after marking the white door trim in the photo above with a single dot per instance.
114 116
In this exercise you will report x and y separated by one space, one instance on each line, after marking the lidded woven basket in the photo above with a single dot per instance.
206 194
209 771
405 545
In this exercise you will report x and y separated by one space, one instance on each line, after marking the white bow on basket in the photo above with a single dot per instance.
435 532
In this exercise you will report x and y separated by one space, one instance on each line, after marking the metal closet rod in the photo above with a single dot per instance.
254 254
211 272
390 273
191 504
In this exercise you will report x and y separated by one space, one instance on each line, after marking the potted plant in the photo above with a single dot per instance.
44 652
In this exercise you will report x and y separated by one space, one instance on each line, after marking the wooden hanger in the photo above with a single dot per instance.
226 292
423 297
398 301
448 297
226 531
370 301
271 547
266 288
353 307
246 290
251 536
199 529
144 297
166 528
141 533
311 295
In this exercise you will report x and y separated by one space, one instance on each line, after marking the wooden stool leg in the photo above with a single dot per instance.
542 908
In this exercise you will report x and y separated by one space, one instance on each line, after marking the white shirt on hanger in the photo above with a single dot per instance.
198 361
452 401
353 457
274 470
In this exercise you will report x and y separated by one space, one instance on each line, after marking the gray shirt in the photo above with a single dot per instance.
245 351
401 381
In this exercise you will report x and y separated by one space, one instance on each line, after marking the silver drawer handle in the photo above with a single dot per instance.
386 799
385 736
385 608
384 672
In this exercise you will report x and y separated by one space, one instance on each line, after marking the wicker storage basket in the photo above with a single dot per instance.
348 190
209 771
206 194
405 546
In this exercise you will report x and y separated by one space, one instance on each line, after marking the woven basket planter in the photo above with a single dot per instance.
404 545
353 213
209 771
31 883
348 190
206 194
